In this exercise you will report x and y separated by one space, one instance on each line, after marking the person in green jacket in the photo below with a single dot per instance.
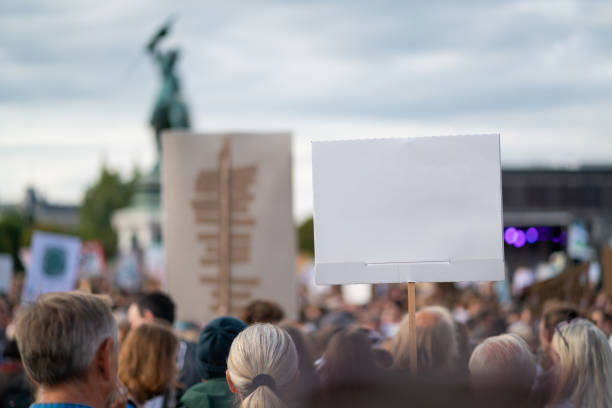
212 350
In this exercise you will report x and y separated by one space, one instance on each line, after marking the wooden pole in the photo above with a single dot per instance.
224 227
412 341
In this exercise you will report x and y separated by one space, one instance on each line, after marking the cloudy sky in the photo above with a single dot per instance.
76 88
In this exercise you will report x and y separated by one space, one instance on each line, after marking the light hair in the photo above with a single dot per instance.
437 344
585 365
503 361
262 349
147 360
59 334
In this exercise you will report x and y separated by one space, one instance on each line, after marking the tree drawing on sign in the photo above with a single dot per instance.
222 202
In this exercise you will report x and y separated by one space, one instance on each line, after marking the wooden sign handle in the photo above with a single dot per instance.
412 340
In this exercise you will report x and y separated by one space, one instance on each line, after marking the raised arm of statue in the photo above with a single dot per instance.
163 31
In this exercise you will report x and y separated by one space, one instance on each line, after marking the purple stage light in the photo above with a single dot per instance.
531 235
520 239
510 235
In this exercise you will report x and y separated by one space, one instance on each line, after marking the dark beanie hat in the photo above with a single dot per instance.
214 346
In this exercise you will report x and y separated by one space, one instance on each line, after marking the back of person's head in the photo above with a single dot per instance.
147 361
262 364
262 311
309 380
159 304
503 363
214 345
320 339
437 346
60 333
553 313
585 364
349 358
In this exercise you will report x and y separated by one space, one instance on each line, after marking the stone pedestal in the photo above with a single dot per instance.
139 225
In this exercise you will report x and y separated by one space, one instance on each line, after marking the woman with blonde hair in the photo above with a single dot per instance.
583 360
437 345
262 365
147 365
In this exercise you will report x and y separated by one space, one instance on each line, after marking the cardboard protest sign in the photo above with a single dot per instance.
228 226
6 272
572 285
408 210
54 266
606 260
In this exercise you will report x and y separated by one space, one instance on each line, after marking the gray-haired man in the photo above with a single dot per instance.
68 343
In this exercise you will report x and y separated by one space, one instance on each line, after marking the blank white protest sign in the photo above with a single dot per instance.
423 209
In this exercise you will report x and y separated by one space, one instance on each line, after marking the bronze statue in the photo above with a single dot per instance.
170 110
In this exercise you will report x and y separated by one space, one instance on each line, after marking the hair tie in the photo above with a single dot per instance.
262 379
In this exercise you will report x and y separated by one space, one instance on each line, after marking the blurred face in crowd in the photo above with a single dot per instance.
602 323
136 319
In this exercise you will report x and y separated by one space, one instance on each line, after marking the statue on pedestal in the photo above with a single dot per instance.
139 225
170 110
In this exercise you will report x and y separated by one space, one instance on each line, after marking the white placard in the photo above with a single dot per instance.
54 265
6 272
408 210
251 173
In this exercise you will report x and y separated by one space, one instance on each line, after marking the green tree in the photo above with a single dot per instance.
306 237
101 200
12 227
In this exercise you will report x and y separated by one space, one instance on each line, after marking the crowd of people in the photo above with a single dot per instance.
78 348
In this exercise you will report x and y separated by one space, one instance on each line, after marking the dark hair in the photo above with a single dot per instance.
262 311
309 380
349 358
556 312
159 304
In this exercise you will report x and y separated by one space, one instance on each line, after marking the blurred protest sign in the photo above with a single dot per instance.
6 272
54 265
128 275
92 261
228 227
408 210
571 285
578 242
606 262
154 263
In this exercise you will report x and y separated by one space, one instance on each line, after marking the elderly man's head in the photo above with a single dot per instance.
503 362
436 341
68 343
